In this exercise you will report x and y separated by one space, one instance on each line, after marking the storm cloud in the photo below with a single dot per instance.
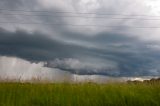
44 36
119 56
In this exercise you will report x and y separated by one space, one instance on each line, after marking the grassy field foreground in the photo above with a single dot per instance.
21 94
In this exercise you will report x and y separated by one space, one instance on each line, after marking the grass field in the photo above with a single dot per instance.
25 94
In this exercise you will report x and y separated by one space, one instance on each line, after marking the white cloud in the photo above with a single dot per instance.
18 69
154 5
88 5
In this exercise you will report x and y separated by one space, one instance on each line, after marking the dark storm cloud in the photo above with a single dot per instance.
35 47
107 52
132 58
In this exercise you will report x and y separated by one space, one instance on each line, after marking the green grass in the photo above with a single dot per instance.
23 94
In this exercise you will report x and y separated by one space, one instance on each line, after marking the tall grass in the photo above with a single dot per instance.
23 94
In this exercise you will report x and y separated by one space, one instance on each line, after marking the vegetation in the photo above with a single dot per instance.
118 94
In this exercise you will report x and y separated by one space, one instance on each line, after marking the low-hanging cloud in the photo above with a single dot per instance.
82 67
92 50
113 59
16 69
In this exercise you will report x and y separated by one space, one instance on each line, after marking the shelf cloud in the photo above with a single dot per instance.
68 36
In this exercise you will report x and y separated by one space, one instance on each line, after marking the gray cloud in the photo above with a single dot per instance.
36 46
18 4
87 50
130 58
84 68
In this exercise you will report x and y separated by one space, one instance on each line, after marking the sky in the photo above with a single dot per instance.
75 39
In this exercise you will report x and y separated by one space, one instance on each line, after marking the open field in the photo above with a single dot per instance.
25 94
